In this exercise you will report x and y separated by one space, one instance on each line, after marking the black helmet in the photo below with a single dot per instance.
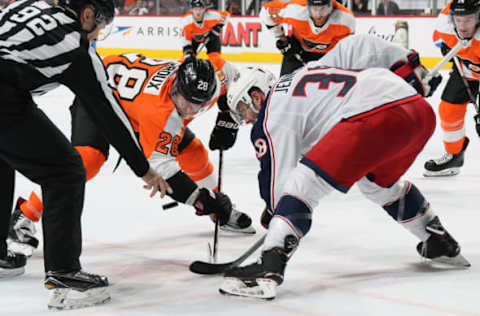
319 2
104 9
196 80
197 3
464 7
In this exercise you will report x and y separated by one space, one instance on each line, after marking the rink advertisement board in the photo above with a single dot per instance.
245 39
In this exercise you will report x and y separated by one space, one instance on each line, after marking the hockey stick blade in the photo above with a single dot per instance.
202 267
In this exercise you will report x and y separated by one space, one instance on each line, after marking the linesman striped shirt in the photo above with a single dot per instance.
42 46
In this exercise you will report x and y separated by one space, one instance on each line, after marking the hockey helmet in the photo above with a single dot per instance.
197 4
238 91
196 80
319 2
104 9
464 7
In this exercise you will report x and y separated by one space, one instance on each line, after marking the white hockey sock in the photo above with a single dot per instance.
417 224
277 231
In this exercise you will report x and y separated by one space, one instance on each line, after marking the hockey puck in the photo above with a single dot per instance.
169 205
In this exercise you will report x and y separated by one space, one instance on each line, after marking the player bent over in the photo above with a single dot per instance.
371 104
164 98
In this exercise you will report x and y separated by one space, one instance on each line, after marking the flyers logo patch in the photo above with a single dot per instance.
315 45
260 147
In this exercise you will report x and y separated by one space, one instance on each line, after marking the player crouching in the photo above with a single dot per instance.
331 104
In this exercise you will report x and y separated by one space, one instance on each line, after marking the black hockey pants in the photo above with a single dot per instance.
32 145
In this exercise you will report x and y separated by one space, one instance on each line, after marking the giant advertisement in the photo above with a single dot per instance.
245 39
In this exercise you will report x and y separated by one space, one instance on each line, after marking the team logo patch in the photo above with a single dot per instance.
315 45
260 145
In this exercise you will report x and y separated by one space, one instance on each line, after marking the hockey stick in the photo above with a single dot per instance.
201 267
213 255
461 44
473 100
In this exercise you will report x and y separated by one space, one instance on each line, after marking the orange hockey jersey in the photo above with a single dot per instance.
192 31
143 87
296 16
468 56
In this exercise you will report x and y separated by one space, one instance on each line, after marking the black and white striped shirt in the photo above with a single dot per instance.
41 45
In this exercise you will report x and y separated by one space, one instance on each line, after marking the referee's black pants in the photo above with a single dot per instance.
32 145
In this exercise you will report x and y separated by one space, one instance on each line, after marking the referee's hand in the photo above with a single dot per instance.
155 183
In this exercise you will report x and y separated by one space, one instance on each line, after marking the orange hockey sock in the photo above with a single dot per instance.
32 208
93 160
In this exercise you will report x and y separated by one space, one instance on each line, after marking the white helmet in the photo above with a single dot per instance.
246 79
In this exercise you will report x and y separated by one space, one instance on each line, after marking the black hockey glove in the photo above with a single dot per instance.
290 47
266 217
224 133
217 29
213 202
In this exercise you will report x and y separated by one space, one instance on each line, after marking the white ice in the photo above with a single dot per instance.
355 261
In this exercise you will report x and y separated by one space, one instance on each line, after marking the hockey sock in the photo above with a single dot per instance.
292 216
32 208
412 211
452 117
92 158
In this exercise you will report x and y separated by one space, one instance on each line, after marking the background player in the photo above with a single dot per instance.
202 25
316 27
346 132
459 20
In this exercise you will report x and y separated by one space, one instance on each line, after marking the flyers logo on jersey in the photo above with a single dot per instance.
316 45
200 37
473 67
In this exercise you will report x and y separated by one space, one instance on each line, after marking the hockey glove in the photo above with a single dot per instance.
213 202
416 75
224 133
290 47
266 217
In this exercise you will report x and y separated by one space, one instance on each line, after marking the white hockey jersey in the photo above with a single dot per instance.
362 51
303 106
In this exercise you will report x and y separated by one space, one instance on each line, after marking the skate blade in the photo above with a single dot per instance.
265 289
10 273
457 261
70 299
443 173
250 230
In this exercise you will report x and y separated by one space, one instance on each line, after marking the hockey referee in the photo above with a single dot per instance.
42 46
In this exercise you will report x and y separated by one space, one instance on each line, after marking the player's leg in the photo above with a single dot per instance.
34 146
452 111
193 160
402 200
93 149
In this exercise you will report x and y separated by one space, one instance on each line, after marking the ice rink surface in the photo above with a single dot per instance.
355 261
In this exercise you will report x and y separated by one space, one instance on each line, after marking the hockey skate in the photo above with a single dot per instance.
21 235
12 264
447 165
440 247
238 223
260 279
76 289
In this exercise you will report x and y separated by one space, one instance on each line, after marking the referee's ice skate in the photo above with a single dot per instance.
76 289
